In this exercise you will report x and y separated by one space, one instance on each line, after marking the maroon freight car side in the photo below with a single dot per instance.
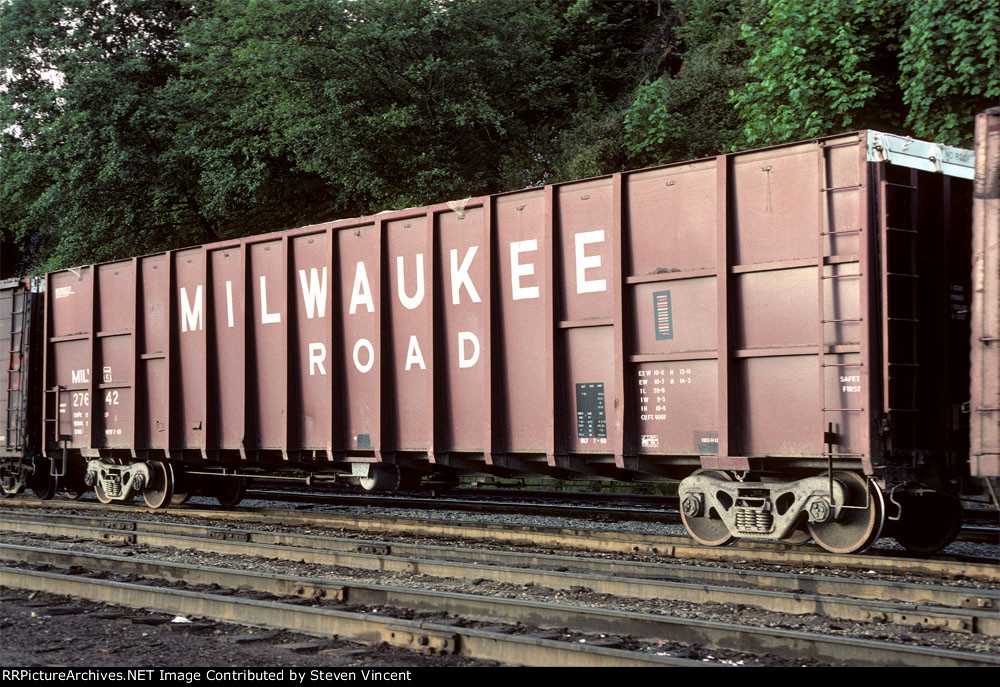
765 325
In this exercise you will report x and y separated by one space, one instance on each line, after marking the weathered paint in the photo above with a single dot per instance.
710 313
984 404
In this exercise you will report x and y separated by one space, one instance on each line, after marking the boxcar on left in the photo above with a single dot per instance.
21 462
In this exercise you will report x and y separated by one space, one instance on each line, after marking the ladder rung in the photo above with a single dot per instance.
902 319
905 231
843 410
842 188
901 274
902 410
841 364
904 364
842 276
846 319
859 455
895 185
842 231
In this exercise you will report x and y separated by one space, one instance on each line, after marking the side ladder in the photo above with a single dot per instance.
15 371
898 208
833 268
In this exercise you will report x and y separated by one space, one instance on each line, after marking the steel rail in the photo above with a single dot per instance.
564 538
468 505
660 513
322 622
879 590
985 535
707 634
235 542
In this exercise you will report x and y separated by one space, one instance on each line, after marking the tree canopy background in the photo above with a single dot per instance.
133 126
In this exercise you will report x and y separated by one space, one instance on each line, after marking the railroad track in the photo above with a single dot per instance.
555 538
785 593
583 625
658 511
322 622
920 605
661 509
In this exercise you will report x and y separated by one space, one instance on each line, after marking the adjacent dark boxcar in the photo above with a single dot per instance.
21 463
789 324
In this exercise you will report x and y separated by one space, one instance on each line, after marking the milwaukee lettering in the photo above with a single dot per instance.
410 288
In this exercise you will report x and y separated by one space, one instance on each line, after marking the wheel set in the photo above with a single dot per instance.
923 521
160 484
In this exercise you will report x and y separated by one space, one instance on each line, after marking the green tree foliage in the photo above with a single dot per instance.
950 63
84 127
821 66
685 112
591 140
138 125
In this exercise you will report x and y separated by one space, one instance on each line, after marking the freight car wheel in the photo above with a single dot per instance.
381 477
44 485
102 495
181 496
12 480
74 486
928 522
182 488
10 485
706 529
229 491
857 528
160 490
9 494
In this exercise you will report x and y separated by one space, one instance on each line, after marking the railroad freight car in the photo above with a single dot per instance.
786 330
984 404
21 460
